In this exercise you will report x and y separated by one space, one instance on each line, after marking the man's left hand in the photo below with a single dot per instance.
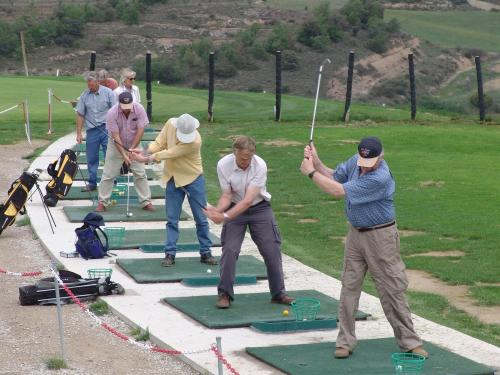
307 166
214 215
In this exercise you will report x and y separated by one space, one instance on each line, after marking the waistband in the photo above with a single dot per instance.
367 229
255 205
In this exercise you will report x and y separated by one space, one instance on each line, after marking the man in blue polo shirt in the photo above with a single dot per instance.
91 110
372 243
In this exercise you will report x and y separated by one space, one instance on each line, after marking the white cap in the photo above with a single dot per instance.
186 126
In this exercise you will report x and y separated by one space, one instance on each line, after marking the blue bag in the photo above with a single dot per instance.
88 243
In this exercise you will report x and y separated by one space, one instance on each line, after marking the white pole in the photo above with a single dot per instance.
50 112
59 313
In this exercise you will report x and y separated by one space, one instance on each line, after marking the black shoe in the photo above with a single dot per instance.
89 188
208 259
168 261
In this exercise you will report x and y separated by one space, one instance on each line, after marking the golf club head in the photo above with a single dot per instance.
130 214
325 61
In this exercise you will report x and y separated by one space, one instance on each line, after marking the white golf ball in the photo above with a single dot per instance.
209 271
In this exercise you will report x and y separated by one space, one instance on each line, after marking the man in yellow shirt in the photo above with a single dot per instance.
179 145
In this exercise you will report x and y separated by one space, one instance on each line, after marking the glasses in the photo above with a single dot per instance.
132 78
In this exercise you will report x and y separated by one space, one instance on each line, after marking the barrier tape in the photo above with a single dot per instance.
32 273
10 109
64 101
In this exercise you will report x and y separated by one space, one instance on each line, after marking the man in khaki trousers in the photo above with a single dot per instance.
372 243
125 123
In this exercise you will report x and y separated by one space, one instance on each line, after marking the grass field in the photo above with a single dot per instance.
443 166
454 29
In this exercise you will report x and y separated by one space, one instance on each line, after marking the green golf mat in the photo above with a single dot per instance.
370 357
188 241
82 159
249 307
85 173
76 193
76 214
150 270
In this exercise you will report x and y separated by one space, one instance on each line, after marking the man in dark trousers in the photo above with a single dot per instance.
372 243
245 203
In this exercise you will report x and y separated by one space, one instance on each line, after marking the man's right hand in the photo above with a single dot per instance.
79 137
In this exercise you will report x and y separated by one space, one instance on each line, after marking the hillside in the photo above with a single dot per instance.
163 27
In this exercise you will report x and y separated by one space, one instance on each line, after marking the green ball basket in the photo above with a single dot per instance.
407 363
119 193
305 308
96 273
115 236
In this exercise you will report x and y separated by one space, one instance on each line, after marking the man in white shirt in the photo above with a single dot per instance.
245 202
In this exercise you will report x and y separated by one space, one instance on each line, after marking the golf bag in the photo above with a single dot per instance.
89 244
43 292
15 203
62 177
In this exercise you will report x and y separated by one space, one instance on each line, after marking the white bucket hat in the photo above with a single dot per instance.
186 126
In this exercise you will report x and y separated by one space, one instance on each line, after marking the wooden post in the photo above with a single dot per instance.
23 50
480 93
277 108
92 61
211 69
149 77
348 92
413 91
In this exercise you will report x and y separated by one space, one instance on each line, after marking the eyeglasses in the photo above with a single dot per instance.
132 78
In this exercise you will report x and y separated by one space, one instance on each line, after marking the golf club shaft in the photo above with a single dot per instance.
315 105
128 192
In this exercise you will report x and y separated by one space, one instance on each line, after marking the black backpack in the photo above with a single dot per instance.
62 177
18 195
89 244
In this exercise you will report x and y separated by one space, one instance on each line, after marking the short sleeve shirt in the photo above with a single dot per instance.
94 106
369 198
233 178
116 121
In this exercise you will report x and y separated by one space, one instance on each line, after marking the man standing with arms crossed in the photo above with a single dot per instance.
91 109
245 202
372 243
125 122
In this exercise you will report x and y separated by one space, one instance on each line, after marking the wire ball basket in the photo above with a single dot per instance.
118 193
407 363
305 308
97 273
116 236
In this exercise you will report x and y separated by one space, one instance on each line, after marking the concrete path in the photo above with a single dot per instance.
170 328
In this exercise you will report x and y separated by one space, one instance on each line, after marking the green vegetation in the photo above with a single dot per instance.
303 4
139 334
56 364
486 295
99 307
442 166
453 29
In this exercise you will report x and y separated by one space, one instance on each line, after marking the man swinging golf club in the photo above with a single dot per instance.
372 243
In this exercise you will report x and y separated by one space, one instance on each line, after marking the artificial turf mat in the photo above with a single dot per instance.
370 357
150 270
76 193
76 214
188 241
84 175
249 307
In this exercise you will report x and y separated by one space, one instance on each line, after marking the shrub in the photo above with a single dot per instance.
258 51
309 30
474 100
99 308
280 38
224 69
56 364
390 88
290 60
255 88
320 43
200 85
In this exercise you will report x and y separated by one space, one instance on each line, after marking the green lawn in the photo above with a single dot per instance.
444 169
455 29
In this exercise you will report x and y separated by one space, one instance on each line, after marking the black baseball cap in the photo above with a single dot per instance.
369 150
126 99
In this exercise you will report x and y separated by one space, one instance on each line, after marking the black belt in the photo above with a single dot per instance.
373 228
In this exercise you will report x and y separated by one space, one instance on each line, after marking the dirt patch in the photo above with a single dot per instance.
306 221
450 253
457 295
495 68
409 233
29 334
282 143
431 183
493 84
338 238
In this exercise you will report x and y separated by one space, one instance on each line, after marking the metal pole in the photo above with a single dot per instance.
348 93
278 86
480 93
149 77
211 69
219 349
413 91
92 61
50 112
59 313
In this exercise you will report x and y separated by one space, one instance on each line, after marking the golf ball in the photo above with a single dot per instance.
285 312
209 271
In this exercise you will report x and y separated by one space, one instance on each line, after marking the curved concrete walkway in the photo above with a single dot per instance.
170 328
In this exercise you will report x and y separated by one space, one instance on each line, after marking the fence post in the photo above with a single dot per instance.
348 93
219 349
59 312
277 108
211 68
413 91
23 51
480 93
148 86
92 61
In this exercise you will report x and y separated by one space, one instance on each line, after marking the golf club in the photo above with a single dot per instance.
325 61
106 133
129 214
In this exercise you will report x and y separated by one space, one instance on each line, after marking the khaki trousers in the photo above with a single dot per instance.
376 251
112 165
